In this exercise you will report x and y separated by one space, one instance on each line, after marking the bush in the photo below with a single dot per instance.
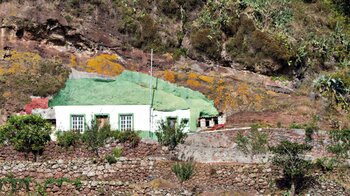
127 136
16 184
296 126
309 131
183 171
289 157
335 90
171 136
254 143
117 152
326 164
113 158
95 137
204 42
67 139
3 136
340 143
28 133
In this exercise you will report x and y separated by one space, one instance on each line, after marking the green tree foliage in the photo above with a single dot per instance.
183 171
340 143
95 137
28 133
289 157
171 136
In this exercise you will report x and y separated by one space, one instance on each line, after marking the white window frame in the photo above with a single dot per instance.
126 122
78 122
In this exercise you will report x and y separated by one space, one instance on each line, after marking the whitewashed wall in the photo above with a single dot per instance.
159 115
141 115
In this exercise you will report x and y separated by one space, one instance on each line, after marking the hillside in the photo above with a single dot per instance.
256 60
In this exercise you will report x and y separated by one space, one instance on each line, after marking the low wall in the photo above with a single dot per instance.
53 151
152 176
220 146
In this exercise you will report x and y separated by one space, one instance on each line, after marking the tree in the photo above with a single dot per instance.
289 157
96 136
254 143
27 133
171 136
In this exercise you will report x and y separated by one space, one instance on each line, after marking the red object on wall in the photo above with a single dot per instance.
36 103
218 126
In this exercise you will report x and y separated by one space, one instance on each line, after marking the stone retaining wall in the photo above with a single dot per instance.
150 176
220 146
53 151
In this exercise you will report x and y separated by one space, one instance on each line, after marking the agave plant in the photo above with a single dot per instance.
334 89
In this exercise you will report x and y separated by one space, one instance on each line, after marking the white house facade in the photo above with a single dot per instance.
127 103
119 117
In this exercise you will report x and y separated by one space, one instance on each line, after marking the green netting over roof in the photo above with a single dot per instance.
132 88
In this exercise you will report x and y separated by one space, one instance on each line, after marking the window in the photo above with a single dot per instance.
126 122
78 122
172 122
102 120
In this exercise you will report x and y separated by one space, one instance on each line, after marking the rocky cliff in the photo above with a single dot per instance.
256 58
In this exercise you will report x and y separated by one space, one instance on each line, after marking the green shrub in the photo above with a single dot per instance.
16 184
271 47
171 136
111 159
309 131
95 136
335 90
207 43
296 126
42 187
326 164
342 6
27 133
42 79
242 142
289 157
170 8
127 136
117 152
3 136
114 156
256 142
183 171
67 139
340 143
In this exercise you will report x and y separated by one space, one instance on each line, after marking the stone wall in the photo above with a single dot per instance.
148 176
53 151
220 146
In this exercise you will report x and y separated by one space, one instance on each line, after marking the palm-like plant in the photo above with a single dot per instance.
334 89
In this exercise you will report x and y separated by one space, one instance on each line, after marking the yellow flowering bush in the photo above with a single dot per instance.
105 64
